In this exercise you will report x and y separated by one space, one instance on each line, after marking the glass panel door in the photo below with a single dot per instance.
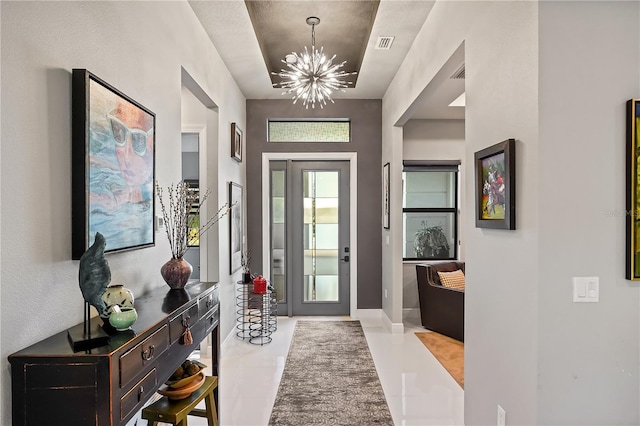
321 249
309 211
319 238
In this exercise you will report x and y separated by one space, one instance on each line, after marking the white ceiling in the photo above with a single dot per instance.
230 28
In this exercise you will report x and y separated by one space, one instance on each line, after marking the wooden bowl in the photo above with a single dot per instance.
185 391
175 384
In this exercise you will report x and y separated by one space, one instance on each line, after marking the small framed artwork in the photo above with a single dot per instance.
386 194
495 169
236 222
633 200
193 218
236 142
113 167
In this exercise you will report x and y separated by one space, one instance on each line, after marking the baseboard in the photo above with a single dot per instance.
413 313
394 328
368 314
227 341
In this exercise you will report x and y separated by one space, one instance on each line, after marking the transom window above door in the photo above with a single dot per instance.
291 130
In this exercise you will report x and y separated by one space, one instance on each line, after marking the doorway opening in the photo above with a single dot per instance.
191 175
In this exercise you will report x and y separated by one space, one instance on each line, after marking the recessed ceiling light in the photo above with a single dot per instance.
460 101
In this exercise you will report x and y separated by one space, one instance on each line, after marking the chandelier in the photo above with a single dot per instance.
312 76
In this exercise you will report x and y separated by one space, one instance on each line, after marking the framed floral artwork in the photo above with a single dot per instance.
495 169
633 189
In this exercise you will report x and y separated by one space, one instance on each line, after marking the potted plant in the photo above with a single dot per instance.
431 242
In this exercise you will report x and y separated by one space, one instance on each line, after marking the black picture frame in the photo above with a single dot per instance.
193 219
236 226
113 167
386 196
236 142
495 169
632 200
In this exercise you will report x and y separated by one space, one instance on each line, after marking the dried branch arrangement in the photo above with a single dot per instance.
181 212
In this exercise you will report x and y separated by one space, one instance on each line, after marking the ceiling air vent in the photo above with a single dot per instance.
384 42
459 74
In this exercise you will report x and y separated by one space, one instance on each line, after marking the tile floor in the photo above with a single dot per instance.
419 391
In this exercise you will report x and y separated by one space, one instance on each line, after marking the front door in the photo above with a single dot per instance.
315 259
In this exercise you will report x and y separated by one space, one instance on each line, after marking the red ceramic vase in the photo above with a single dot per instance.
176 272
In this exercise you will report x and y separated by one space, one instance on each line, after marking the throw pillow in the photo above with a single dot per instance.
453 279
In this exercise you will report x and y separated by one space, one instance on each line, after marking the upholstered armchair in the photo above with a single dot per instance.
441 308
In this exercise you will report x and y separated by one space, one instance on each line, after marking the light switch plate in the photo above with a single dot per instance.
586 289
159 223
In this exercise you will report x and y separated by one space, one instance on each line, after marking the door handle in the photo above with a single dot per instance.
346 258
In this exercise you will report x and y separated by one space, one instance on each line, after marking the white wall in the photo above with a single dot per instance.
3 404
139 47
433 140
555 76
588 353
501 46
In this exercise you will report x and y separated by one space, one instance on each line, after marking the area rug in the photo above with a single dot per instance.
449 352
329 379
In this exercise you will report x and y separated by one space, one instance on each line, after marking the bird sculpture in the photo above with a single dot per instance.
95 275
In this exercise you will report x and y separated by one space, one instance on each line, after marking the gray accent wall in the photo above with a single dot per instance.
190 170
366 140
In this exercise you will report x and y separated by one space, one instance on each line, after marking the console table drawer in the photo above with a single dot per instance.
133 362
138 394
178 324
212 319
208 301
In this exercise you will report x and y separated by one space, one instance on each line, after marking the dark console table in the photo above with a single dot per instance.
107 385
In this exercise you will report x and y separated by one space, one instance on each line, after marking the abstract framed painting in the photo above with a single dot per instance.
633 189
113 167
386 196
193 219
495 169
236 222
236 142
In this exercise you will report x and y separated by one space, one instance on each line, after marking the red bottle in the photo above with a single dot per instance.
259 285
